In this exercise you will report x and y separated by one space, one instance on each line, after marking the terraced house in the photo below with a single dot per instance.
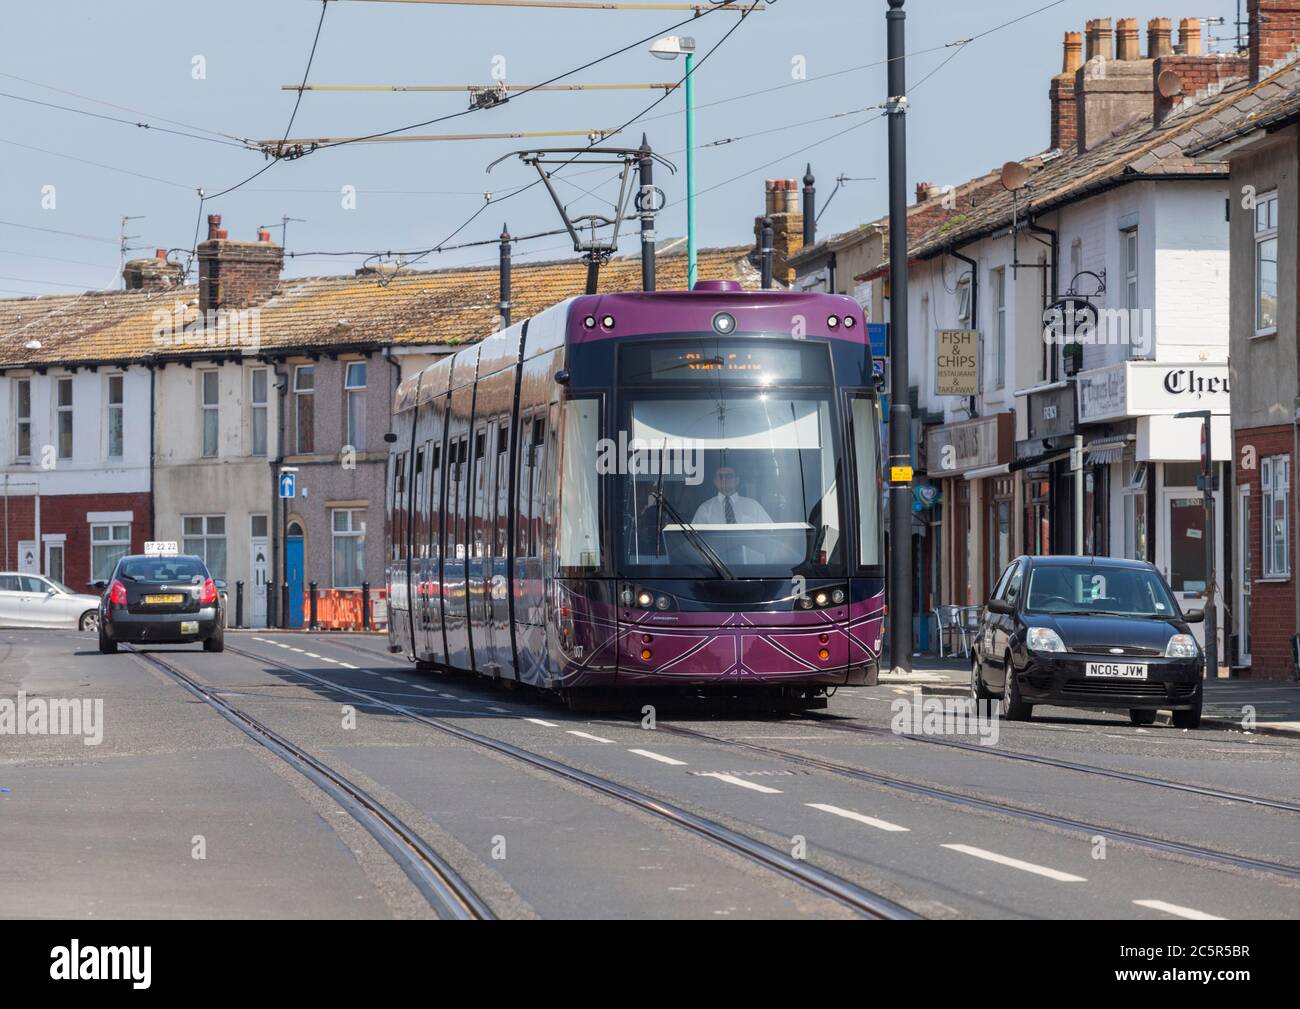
170 411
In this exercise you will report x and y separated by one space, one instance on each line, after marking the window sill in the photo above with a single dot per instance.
1273 580
1264 334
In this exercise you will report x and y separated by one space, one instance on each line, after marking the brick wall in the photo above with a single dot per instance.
1065 113
1197 74
66 514
1272 604
1274 33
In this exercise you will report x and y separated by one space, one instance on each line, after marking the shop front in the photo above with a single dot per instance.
1044 478
1151 461
969 461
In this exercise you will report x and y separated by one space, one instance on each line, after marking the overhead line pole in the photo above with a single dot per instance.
900 409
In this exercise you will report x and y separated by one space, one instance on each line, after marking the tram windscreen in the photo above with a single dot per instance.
747 475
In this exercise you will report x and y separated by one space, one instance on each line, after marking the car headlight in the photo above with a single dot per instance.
1044 639
1181 646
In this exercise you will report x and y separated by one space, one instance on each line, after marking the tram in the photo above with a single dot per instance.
645 490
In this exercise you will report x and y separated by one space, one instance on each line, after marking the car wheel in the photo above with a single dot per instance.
1014 709
89 623
107 646
1191 718
979 693
1142 716
216 643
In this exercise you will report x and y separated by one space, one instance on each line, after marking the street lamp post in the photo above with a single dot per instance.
669 48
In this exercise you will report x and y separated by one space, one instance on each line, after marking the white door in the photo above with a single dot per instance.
257 564
54 560
28 559
1244 575
1182 540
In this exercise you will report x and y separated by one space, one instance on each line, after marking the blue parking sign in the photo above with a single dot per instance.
288 484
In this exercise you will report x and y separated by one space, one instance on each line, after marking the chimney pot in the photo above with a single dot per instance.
263 235
1127 48
1100 39
1159 38
1072 58
160 253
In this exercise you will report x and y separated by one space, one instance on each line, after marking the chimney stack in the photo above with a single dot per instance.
1274 34
1061 94
156 274
781 206
1127 48
236 274
1114 86
1100 39
1196 73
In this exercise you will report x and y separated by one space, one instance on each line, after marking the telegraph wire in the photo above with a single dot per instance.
127 122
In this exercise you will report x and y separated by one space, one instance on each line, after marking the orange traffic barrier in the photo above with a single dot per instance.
340 609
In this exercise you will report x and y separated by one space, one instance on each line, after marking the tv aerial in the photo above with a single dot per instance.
585 229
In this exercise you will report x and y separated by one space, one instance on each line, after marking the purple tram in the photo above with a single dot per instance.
675 488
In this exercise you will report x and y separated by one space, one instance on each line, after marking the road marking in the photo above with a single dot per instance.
349 665
499 711
421 686
279 644
1175 909
394 679
326 658
538 721
731 779
588 735
848 814
659 757
1015 863
311 655
298 650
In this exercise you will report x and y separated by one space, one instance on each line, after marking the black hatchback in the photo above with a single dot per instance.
1088 632
167 599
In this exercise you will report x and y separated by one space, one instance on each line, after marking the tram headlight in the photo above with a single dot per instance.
589 322
607 321
822 598
645 599
662 602
848 322
838 597
805 603
832 321
627 597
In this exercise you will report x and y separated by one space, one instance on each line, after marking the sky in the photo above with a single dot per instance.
798 82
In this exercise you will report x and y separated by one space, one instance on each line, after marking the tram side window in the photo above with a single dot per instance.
435 510
417 516
399 504
579 532
523 485
537 488
501 516
458 516
866 458
478 493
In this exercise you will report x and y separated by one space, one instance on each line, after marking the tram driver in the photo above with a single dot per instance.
728 507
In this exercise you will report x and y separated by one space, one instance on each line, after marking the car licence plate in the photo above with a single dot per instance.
165 599
189 627
1117 670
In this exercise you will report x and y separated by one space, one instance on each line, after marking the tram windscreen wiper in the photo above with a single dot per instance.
693 537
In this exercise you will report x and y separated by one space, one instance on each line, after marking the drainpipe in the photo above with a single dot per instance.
153 433
277 506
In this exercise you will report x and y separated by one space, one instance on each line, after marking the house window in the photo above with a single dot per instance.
115 416
23 417
1129 246
258 379
63 408
963 302
210 386
304 388
1266 264
999 285
1275 485
349 547
109 543
205 536
354 385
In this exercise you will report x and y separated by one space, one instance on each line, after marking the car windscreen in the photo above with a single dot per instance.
162 569
1093 590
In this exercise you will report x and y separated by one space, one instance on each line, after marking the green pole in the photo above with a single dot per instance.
690 170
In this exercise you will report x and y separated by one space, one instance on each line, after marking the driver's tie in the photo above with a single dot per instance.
730 511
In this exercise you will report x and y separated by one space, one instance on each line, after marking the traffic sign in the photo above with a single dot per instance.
288 485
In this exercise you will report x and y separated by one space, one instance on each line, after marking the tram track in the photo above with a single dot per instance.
441 886
846 892
831 722
1148 842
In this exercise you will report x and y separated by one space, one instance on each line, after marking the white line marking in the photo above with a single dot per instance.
659 757
848 814
588 735
448 697
298 650
349 665
421 686
265 641
538 721
370 672
1175 909
499 711
731 779
311 655
1015 863
279 644
394 679
326 658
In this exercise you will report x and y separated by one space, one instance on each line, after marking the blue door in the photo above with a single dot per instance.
293 555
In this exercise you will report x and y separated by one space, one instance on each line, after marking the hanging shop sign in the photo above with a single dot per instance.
957 362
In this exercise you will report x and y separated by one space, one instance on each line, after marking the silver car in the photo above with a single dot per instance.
36 601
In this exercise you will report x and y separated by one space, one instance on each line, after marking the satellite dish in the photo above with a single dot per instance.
1169 84
1014 175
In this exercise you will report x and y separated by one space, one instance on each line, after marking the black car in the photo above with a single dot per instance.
161 600
1088 632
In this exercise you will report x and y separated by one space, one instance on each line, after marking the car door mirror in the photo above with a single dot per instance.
1000 606
1194 616
99 584
50 590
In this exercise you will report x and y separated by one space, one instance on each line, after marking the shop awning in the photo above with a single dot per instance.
980 474
1039 460
1108 450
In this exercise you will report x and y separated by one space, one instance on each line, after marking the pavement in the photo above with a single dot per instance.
1271 707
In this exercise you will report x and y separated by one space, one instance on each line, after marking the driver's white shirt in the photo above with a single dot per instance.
714 511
